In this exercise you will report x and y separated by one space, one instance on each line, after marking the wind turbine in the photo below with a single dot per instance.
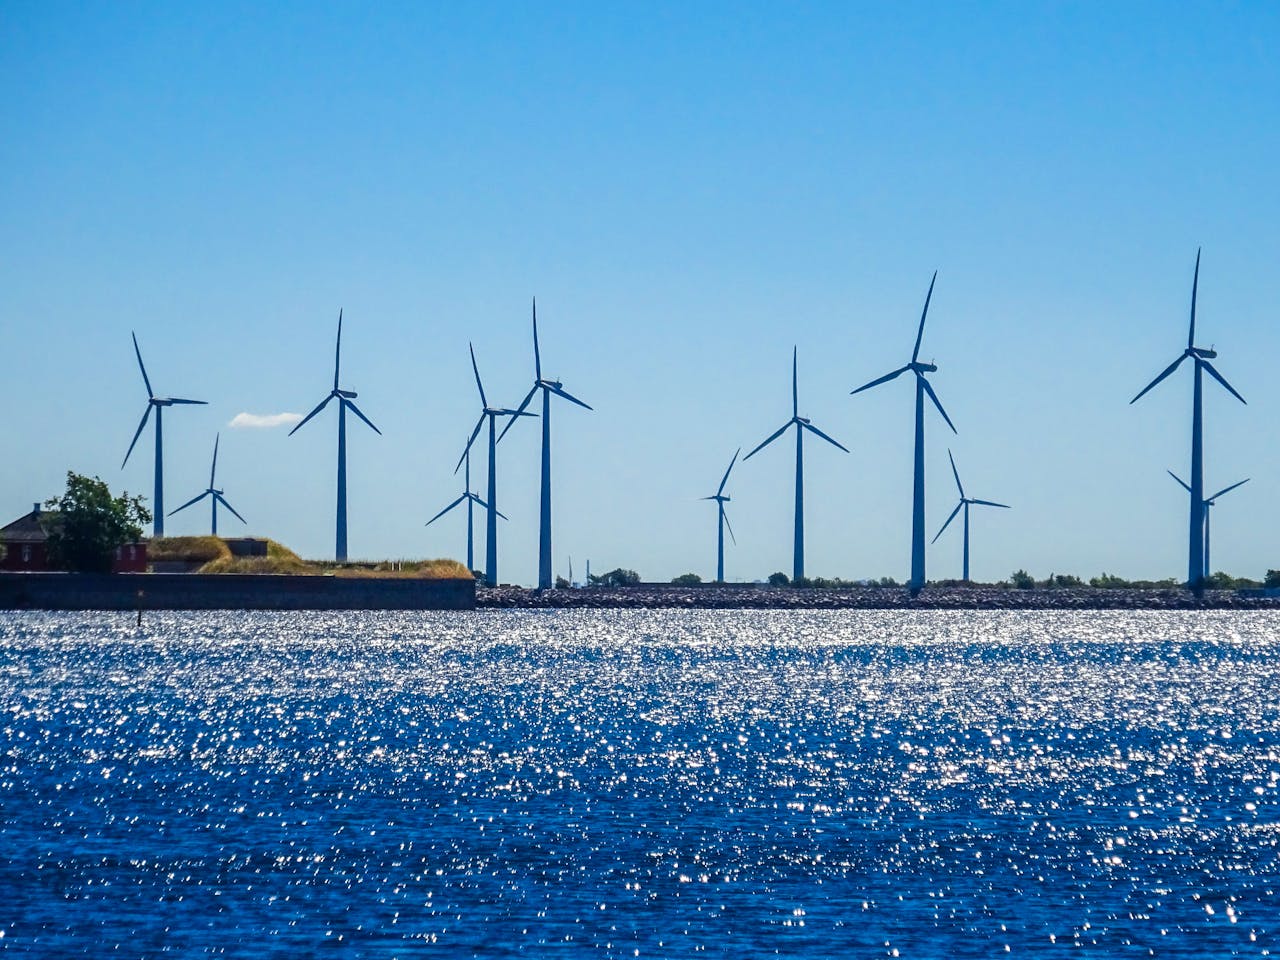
1209 502
723 521
213 493
471 500
801 424
344 398
158 403
923 386
492 414
1200 358
965 502
548 387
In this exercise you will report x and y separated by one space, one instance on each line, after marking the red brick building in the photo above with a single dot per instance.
25 547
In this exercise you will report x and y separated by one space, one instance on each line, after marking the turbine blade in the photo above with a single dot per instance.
959 506
915 354
519 410
812 429
992 503
198 403
1195 283
356 410
337 351
879 380
795 389
928 388
727 472
1228 489
727 525
537 354
956 474
136 435
445 510
561 393
772 437
477 499
145 378
479 385
1179 479
223 500
214 469
472 439
1217 376
1167 370
189 503
323 403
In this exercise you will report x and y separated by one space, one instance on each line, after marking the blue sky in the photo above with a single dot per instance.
689 192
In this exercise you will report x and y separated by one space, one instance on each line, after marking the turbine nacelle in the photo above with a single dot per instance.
1202 353
921 368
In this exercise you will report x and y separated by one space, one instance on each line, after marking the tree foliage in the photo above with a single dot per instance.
778 579
86 524
618 577
686 580
1022 580
1273 579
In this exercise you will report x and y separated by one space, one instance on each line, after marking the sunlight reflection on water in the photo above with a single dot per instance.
641 783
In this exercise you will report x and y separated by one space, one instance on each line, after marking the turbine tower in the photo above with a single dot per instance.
491 414
723 521
471 500
801 424
344 398
1209 502
965 503
214 494
923 386
548 387
1200 359
158 403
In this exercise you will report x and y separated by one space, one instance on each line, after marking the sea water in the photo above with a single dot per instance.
640 784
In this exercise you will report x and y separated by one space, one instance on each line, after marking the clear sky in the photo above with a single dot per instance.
689 190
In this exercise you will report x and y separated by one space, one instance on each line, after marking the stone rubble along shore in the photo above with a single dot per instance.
869 598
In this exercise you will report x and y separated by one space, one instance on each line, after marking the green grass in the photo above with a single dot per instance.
191 549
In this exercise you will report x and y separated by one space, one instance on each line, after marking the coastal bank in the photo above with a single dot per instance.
194 591
753 597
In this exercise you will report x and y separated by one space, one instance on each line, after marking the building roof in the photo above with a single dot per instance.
26 529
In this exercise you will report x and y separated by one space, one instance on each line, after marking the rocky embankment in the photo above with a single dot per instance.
870 598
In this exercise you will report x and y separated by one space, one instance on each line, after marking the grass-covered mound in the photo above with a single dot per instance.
187 549
410 569
279 559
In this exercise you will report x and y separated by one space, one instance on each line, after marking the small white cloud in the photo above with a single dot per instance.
264 420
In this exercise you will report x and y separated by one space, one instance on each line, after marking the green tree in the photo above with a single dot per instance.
1273 579
1022 580
618 577
778 579
686 580
1108 581
86 524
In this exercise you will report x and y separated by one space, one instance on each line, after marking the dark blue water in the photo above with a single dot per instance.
648 783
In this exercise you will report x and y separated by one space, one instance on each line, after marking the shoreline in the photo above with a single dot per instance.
752 597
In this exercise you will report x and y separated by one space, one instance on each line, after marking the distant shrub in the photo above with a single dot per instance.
1273 579
1022 580
1107 581
778 579
561 583
887 582
619 577
1224 581
1062 581
686 580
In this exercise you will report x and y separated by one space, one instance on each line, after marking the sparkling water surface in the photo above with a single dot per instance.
640 783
